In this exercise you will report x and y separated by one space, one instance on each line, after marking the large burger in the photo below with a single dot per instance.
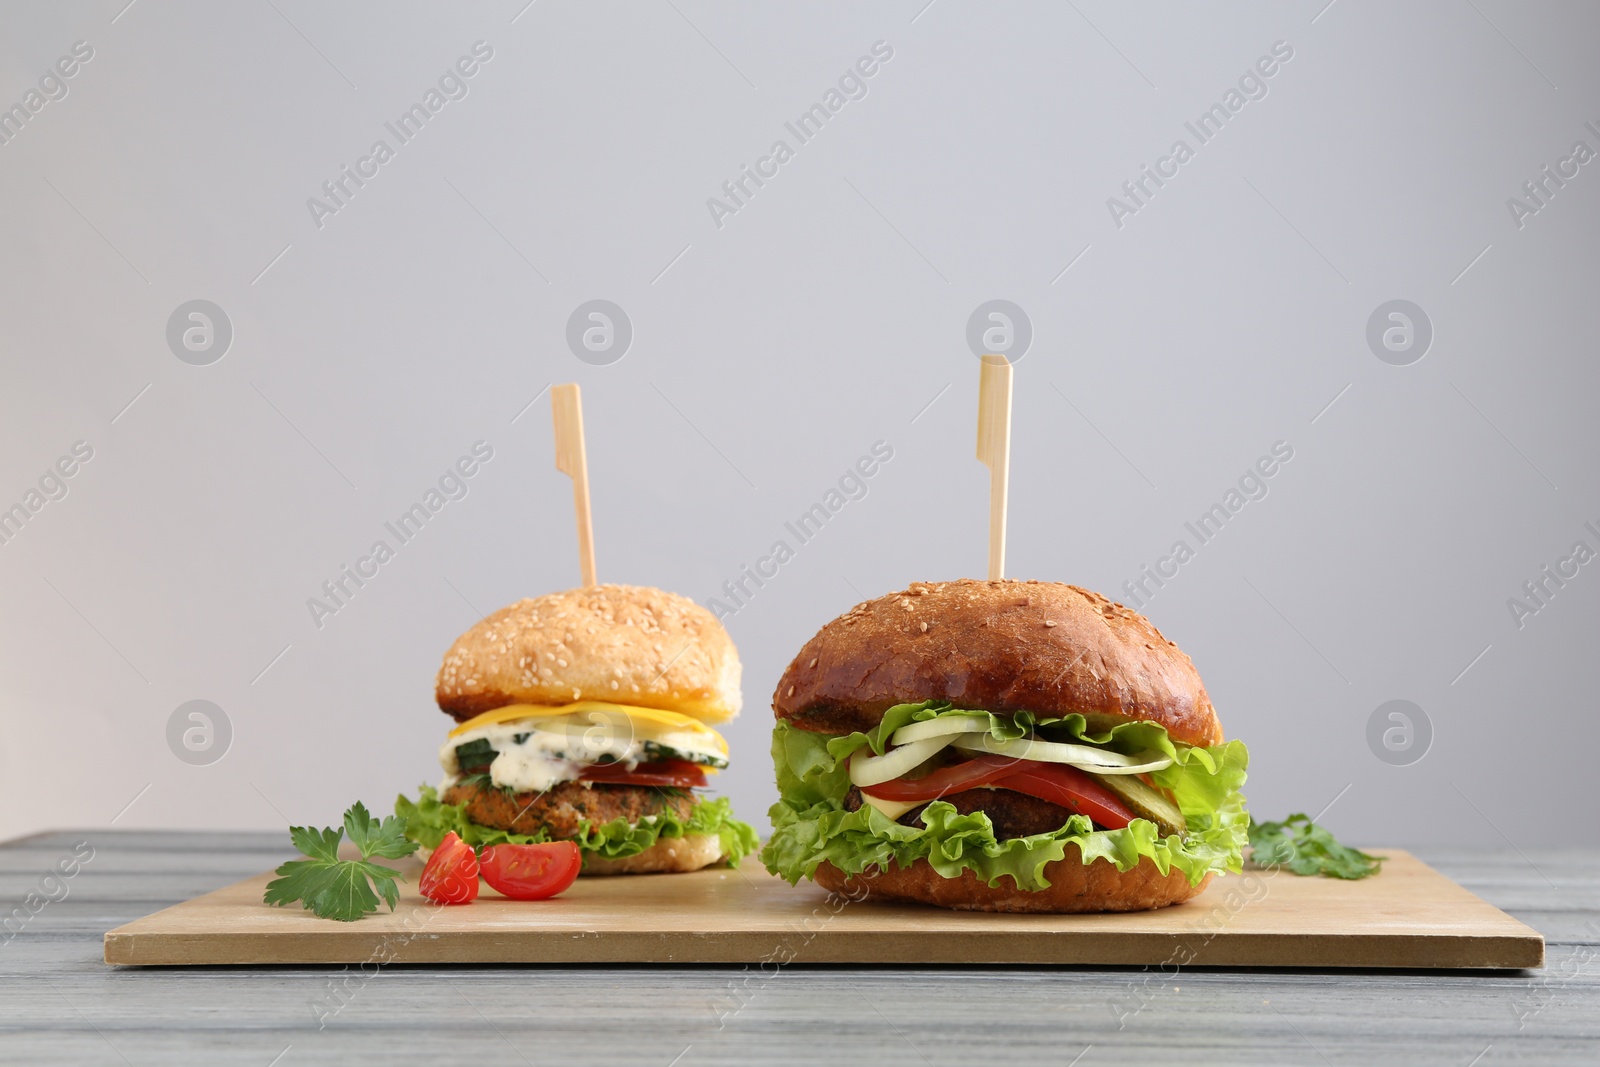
585 716
1002 746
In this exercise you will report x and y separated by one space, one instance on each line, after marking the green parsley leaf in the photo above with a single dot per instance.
374 838
1303 847
318 844
342 889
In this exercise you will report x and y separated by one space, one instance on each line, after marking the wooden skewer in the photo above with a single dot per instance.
566 406
994 449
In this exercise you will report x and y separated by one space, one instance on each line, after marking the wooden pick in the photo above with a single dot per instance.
994 449
566 406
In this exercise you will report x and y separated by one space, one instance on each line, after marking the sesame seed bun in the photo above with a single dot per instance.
999 646
619 643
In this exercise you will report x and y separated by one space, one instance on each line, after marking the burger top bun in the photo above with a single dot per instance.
624 644
998 646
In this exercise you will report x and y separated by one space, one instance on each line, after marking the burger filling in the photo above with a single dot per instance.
612 777
1003 795
537 751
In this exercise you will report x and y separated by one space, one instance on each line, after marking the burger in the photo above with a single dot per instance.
586 716
1002 746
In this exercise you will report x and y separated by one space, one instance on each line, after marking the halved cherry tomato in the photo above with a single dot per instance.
1056 782
531 872
451 876
1071 788
676 773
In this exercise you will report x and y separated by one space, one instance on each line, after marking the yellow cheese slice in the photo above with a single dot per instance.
672 720
893 809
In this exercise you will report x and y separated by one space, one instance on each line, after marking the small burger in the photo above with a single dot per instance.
585 716
1002 746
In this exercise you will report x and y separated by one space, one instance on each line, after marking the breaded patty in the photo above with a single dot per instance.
1013 814
562 808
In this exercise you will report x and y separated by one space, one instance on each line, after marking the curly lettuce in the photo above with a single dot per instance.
428 819
811 825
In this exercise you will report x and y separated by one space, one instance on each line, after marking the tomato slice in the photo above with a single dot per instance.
674 773
1056 782
1071 788
531 872
451 876
980 770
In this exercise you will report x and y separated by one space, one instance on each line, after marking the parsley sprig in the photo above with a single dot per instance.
343 889
1303 847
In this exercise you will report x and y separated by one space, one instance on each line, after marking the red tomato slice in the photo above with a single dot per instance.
675 773
531 872
451 876
980 770
1071 788
1056 782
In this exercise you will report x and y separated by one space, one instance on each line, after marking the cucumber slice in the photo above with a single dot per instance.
655 750
475 756
1147 802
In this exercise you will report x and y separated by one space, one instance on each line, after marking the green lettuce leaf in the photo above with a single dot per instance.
810 825
428 819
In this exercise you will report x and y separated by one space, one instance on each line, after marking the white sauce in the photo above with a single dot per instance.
555 750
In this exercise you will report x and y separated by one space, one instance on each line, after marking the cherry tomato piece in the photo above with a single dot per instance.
451 875
531 872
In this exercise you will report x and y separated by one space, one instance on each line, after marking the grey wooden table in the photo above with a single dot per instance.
60 1004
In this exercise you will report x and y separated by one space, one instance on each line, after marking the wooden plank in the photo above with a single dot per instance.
1408 917
60 1004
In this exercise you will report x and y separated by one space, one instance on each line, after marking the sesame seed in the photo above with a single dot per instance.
791 691
1049 622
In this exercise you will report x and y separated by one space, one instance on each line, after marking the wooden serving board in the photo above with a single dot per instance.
1410 916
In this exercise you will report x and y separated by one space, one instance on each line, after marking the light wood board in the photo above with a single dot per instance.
1410 916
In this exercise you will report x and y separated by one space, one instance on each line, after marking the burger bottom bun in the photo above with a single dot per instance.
1074 887
669 855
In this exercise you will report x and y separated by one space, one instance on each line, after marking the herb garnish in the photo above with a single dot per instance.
1303 847
342 889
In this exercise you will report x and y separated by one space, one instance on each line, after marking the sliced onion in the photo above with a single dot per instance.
1099 760
895 763
1154 761
949 724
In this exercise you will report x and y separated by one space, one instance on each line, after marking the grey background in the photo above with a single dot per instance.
769 354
